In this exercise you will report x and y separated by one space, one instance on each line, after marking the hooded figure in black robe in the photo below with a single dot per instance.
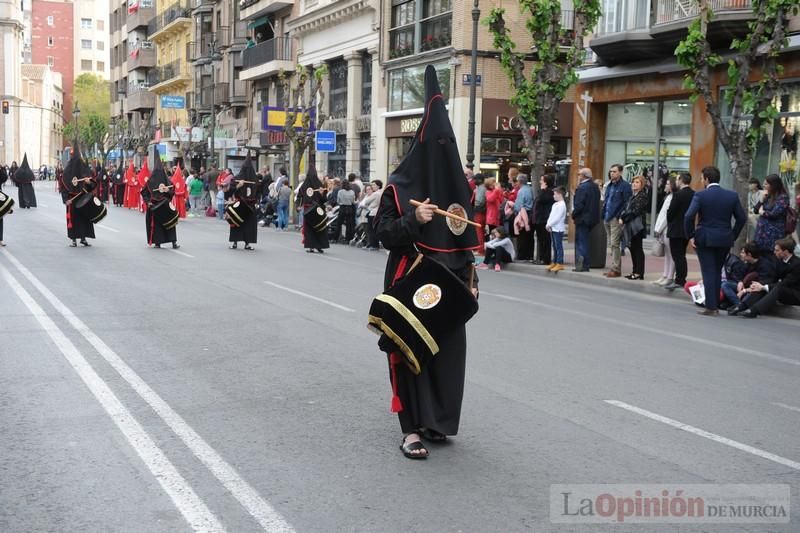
315 236
118 185
157 195
3 176
428 404
102 182
76 182
23 179
245 190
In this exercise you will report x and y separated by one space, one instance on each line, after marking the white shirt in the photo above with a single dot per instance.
557 221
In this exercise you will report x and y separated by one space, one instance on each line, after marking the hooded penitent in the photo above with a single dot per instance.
249 191
75 170
157 177
24 173
432 169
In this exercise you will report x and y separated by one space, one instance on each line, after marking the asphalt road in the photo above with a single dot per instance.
213 389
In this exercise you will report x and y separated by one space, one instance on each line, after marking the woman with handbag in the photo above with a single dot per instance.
772 212
660 249
634 229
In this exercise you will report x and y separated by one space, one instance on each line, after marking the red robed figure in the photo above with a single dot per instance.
144 175
129 200
180 191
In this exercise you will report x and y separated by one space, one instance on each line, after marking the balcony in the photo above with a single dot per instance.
623 34
435 33
203 6
240 97
140 17
268 58
250 9
239 34
201 49
167 77
139 98
730 20
203 98
141 57
175 19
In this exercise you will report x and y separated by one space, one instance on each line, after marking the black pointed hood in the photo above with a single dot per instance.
119 174
24 173
248 191
76 168
157 176
432 169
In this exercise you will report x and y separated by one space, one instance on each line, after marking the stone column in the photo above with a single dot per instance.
353 161
322 157
377 143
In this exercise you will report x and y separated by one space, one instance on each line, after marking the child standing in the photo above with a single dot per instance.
557 225
499 250
220 203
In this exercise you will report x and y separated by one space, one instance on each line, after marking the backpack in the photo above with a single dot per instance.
791 221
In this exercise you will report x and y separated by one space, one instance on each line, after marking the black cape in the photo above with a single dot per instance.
248 193
23 178
156 234
312 239
78 226
118 185
432 169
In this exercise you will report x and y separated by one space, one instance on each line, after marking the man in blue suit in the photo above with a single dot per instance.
713 237
586 215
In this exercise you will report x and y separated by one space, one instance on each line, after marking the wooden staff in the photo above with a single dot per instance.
444 213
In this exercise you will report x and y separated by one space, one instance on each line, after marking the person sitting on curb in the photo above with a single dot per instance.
763 297
498 250
758 268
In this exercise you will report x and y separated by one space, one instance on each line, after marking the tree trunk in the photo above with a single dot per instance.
740 170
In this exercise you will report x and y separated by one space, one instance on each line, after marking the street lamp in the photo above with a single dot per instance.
213 55
76 112
476 15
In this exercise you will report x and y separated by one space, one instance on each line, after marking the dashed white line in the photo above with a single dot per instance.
103 226
269 519
184 254
706 434
196 513
785 406
310 297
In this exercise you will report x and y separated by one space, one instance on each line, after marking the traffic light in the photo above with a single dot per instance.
5 107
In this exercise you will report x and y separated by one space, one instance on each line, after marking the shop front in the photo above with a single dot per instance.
502 144
399 134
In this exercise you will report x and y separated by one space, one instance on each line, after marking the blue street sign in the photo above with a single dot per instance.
173 102
325 141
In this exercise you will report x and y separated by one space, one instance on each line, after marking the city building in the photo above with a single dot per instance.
41 111
11 38
92 38
53 41
632 108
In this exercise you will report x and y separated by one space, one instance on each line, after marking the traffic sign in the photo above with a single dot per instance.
325 141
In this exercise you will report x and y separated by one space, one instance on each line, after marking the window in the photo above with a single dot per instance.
86 24
337 159
407 86
50 61
366 84
338 79
419 25
86 64
101 66
86 44
50 40
101 45
366 144
50 21
101 24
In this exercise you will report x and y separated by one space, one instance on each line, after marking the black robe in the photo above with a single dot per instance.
156 234
312 240
78 226
431 399
248 230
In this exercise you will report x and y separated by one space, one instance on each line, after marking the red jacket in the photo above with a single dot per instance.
494 197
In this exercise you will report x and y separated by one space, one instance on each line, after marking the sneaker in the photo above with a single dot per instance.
482 266
666 282
557 268
659 281
497 268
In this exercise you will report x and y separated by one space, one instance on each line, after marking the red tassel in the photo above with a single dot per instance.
397 405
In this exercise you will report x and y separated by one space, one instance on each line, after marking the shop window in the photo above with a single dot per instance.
398 148
338 88
776 151
407 86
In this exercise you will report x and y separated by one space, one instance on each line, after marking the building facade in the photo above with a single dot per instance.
53 41
41 112
92 38
11 40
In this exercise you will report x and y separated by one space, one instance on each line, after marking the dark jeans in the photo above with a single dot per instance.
677 247
372 235
346 218
712 260
542 243
524 245
495 255
558 247
637 253
582 245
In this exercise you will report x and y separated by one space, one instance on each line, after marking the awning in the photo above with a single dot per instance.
260 21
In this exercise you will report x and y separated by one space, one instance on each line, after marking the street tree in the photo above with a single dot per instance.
556 51
749 75
92 133
302 104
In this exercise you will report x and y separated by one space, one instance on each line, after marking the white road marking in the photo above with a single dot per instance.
705 434
184 254
103 226
43 205
785 406
657 331
269 519
310 297
196 513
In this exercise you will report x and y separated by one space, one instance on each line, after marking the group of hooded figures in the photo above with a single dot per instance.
86 191
430 287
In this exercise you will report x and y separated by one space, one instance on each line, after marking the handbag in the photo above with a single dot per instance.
658 249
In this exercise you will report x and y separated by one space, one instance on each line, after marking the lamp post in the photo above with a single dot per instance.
213 55
476 15
76 112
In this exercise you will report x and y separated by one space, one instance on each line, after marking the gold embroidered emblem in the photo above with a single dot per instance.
427 296
456 227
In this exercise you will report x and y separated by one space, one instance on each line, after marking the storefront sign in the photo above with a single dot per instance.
410 125
504 123
273 138
274 119
582 108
